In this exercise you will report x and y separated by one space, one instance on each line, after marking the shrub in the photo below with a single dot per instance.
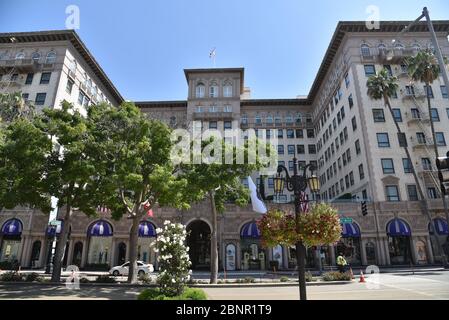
11 277
249 280
188 294
309 277
145 279
337 276
283 279
105 279
6 265
31 277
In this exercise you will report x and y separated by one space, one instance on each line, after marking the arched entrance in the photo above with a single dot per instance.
100 243
77 253
145 242
11 233
349 244
253 256
399 242
198 241
35 253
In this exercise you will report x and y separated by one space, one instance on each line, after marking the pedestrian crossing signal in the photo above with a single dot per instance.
364 208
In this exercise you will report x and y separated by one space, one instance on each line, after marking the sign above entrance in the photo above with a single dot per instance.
345 220
55 222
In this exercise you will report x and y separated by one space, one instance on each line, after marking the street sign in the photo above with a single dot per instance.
55 222
345 220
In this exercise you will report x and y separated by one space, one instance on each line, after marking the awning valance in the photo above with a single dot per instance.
147 229
350 230
250 230
398 227
12 227
441 227
100 228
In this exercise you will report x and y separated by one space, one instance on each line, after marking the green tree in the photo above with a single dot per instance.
133 153
382 86
13 106
220 182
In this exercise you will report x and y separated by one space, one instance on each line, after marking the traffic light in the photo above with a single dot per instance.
364 208
443 172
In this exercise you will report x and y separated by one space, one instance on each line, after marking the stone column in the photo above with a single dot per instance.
413 250
42 254
238 258
112 258
363 251
22 250
70 252
430 256
386 252
85 253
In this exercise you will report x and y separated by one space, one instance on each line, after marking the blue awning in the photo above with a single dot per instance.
250 230
350 230
440 227
100 228
147 229
12 227
398 227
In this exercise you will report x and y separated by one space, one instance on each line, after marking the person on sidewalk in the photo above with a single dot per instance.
341 263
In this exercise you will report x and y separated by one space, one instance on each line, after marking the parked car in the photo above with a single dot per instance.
142 268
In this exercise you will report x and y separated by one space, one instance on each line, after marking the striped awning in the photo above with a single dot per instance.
147 229
398 227
54 230
12 227
100 228
250 230
350 230
440 227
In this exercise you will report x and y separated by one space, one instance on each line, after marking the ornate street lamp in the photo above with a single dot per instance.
297 184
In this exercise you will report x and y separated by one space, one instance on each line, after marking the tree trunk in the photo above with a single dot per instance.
133 238
424 205
213 241
60 246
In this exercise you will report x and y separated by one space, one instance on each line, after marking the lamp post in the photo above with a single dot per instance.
297 183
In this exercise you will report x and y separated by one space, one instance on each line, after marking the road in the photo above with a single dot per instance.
427 285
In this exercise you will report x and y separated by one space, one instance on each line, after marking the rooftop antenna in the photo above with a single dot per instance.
212 54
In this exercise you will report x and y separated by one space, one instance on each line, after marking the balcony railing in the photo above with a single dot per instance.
212 115
249 123
422 143
389 54
416 94
414 117
21 65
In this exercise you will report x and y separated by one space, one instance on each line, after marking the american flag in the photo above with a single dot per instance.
150 211
103 209
304 199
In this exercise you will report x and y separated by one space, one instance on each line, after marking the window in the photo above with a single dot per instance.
281 163
350 101
36 56
364 194
312 148
280 149
300 148
228 125
354 123
402 140
213 108
432 192
409 90
387 166
40 99
25 96
345 133
392 193
289 119
444 92
397 115
227 108
357 147
382 140
51 57
407 164
439 136
429 91
86 102
388 68
213 125
426 164
270 183
244 119
342 112
369 70
347 81
421 137
290 133
258 119
45 78
227 91
290 165
365 50
310 133
301 164
213 91
361 172
347 181
69 86
412 192
280 133
200 90
80 98
291 149
277 120
20 56
378 115
351 178
299 134
435 115
29 78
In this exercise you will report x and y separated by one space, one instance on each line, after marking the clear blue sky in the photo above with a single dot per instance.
143 46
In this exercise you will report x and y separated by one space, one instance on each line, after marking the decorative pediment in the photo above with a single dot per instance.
390 180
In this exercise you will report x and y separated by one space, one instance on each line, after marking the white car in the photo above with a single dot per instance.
142 269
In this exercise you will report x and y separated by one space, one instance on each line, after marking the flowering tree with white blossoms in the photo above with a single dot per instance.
173 258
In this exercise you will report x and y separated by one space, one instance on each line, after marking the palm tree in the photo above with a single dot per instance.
424 67
13 106
382 86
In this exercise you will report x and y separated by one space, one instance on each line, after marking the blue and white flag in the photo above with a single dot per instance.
258 205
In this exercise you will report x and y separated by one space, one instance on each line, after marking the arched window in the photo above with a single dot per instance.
289 119
51 57
20 56
399 46
89 85
199 90
36 56
227 89
244 119
269 119
298 118
382 48
213 90
416 47
365 49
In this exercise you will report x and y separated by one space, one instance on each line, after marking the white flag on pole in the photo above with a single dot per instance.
258 205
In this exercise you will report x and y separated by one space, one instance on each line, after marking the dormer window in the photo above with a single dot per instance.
200 90
51 57
20 56
36 56
213 90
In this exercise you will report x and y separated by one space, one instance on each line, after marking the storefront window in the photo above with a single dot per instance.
370 253
350 247
399 242
253 256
